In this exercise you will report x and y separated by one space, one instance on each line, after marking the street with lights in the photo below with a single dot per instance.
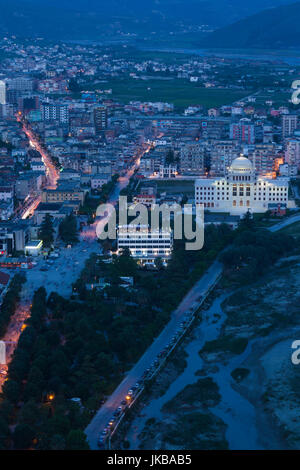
52 173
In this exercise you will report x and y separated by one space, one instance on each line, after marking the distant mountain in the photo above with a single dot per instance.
89 19
275 28
213 12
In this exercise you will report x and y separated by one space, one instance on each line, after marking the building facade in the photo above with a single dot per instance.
289 124
241 190
146 244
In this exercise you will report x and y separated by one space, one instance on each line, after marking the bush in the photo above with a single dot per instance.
227 344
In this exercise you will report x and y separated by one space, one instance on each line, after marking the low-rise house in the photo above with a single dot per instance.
97 181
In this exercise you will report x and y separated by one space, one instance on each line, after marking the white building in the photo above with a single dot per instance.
55 111
288 170
38 166
6 209
145 244
292 152
289 124
169 171
33 247
97 181
2 92
6 193
240 190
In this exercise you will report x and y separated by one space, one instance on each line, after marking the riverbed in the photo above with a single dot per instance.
244 422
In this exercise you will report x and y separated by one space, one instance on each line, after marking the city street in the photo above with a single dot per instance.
12 335
52 173
57 274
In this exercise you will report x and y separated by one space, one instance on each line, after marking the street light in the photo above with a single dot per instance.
50 396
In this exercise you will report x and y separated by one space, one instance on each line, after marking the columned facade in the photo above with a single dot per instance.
240 190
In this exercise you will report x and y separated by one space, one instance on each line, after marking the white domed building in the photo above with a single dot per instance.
241 190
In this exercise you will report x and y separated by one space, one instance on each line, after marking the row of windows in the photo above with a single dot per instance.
146 247
129 238
241 178
256 187
149 252
255 199
134 242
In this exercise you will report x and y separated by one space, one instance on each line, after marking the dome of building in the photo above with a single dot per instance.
241 164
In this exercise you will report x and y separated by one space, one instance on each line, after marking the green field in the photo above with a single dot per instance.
279 98
293 229
167 57
181 93
174 186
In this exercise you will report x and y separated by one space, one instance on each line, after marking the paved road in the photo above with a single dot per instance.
52 173
104 414
285 223
102 417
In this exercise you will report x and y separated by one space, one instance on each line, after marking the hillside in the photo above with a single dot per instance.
91 19
275 28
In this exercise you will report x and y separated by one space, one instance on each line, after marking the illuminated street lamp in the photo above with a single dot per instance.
50 396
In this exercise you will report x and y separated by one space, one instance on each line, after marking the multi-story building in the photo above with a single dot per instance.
193 158
222 154
145 199
55 112
21 84
3 90
145 244
243 131
292 152
168 171
6 209
240 190
289 124
61 195
38 166
263 157
100 119
287 170
13 237
28 183
97 181
6 193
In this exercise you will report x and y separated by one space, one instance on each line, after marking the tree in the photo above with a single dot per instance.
169 157
12 390
46 231
247 222
57 442
39 308
73 85
125 264
158 263
23 436
68 230
30 413
76 440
